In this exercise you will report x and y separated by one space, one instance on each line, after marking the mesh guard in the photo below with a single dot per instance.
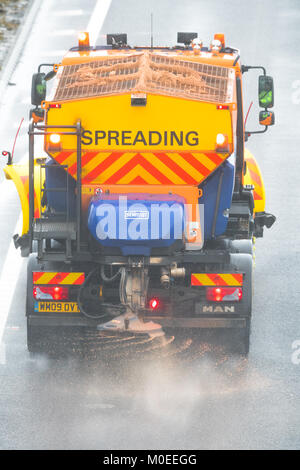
147 72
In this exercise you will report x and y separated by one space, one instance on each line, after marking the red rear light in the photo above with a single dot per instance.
54 105
50 293
154 304
222 106
224 294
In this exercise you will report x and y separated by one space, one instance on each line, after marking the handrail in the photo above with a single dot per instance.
34 129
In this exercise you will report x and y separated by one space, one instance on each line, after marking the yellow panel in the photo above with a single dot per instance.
253 176
111 123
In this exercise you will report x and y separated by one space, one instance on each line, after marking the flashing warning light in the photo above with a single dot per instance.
220 37
154 304
215 46
220 140
222 143
224 294
83 40
50 293
54 139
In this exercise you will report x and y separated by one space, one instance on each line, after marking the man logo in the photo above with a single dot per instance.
218 309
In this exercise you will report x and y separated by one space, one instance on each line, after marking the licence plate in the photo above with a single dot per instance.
56 307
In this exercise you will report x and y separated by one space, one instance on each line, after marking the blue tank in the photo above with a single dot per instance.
136 223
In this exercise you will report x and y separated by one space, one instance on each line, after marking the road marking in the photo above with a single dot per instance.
9 278
13 262
70 13
63 32
2 354
97 19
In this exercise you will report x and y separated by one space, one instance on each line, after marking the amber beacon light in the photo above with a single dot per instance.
83 40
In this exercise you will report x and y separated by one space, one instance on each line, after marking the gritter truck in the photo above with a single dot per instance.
141 204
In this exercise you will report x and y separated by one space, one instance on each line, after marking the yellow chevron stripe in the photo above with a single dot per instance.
253 168
71 278
99 158
204 279
205 160
230 280
125 158
183 163
46 278
151 158
70 160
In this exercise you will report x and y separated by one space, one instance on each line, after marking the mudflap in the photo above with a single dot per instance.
46 331
244 263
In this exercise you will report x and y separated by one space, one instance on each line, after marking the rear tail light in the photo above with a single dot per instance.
154 304
222 106
50 293
223 294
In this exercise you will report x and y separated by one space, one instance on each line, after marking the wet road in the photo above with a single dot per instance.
181 392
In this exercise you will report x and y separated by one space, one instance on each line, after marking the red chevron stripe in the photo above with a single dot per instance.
138 180
198 165
102 166
255 177
62 156
36 276
85 159
80 280
57 278
176 168
238 277
138 160
25 181
216 158
256 196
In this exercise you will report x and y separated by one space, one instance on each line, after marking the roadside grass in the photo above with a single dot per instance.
11 14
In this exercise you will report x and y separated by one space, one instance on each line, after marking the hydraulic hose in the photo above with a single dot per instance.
105 305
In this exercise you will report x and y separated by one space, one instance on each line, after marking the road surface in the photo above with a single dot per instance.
185 392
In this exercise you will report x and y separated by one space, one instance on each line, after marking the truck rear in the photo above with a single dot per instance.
147 204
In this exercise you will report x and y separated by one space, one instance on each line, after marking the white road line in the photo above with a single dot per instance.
97 19
69 13
63 32
8 280
13 262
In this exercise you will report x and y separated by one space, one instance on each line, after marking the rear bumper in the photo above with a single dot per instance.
164 321
203 322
